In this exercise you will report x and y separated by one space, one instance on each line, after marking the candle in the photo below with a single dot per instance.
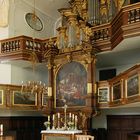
1 129
70 115
73 116
53 116
58 115
48 118
76 118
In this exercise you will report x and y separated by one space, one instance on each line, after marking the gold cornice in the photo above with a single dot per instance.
80 55
65 11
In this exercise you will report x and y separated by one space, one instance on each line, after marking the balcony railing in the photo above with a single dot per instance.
105 36
108 36
122 89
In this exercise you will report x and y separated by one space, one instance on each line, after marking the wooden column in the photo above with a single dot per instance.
91 79
50 85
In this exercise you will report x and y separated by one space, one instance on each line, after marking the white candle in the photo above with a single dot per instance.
73 116
1 129
53 116
48 118
70 115
58 115
76 118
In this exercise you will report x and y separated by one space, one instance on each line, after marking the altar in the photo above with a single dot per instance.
59 134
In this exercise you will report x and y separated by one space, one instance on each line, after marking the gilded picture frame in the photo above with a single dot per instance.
103 94
1 97
117 91
44 99
24 98
132 86
71 85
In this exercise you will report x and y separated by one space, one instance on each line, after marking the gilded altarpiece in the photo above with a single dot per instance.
71 77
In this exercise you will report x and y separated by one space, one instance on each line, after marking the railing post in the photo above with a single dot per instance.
22 43
125 18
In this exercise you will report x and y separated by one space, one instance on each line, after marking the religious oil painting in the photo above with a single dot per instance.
133 86
103 95
117 91
71 85
24 98
1 97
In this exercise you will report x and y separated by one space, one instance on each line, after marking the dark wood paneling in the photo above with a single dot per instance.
26 128
119 126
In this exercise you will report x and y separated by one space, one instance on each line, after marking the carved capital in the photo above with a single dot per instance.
69 58
49 66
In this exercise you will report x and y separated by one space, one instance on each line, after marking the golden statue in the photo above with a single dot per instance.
119 4
104 6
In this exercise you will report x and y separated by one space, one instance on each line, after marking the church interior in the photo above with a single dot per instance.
69 70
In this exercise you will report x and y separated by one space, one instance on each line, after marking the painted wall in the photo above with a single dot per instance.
4 32
19 74
12 74
5 73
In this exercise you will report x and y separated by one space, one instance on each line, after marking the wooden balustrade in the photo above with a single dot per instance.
101 36
24 46
104 37
101 33
21 43
133 13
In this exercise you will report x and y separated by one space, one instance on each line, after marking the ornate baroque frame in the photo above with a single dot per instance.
56 73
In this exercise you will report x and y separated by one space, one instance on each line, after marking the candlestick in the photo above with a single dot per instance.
65 113
58 121
76 120
65 108
54 122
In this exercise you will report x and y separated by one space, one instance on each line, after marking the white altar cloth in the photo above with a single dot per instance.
62 131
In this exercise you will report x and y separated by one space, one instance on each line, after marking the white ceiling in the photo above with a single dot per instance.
49 7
